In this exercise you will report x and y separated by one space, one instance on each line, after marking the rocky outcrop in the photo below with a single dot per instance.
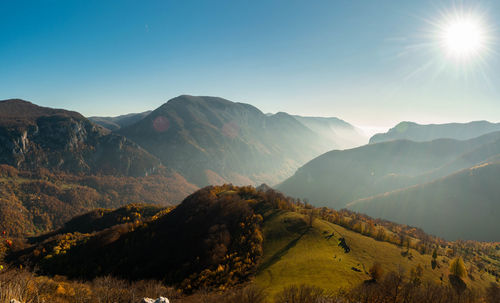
159 300
33 137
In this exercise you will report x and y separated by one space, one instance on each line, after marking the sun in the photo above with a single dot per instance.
463 37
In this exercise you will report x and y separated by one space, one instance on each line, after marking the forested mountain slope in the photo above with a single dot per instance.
32 202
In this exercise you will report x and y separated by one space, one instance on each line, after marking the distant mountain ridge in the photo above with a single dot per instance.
32 136
388 170
338 177
343 134
418 132
210 140
115 123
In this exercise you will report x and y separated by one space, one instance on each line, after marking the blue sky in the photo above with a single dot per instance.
372 63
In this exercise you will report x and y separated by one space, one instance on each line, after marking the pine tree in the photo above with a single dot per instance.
434 259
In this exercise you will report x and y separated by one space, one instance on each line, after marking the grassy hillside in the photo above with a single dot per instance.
464 205
295 253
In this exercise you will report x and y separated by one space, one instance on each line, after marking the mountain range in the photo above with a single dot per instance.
190 142
211 140
107 198
115 123
73 164
395 175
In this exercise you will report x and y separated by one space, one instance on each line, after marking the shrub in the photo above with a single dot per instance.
376 271
493 293
303 294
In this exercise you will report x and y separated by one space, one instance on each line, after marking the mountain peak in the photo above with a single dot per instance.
14 101
18 108
210 101
199 99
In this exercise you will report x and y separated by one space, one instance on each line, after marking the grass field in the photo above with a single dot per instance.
295 253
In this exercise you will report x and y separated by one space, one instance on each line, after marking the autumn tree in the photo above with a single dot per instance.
457 272
381 234
310 217
416 274
457 268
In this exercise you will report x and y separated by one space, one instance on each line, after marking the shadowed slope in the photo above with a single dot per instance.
464 205
339 177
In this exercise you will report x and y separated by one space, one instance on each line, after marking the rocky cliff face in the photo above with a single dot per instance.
33 137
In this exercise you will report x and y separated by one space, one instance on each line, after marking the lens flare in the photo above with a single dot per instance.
161 124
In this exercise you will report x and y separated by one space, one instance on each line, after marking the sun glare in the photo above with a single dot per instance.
463 37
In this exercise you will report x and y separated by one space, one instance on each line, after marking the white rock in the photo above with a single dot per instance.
148 300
